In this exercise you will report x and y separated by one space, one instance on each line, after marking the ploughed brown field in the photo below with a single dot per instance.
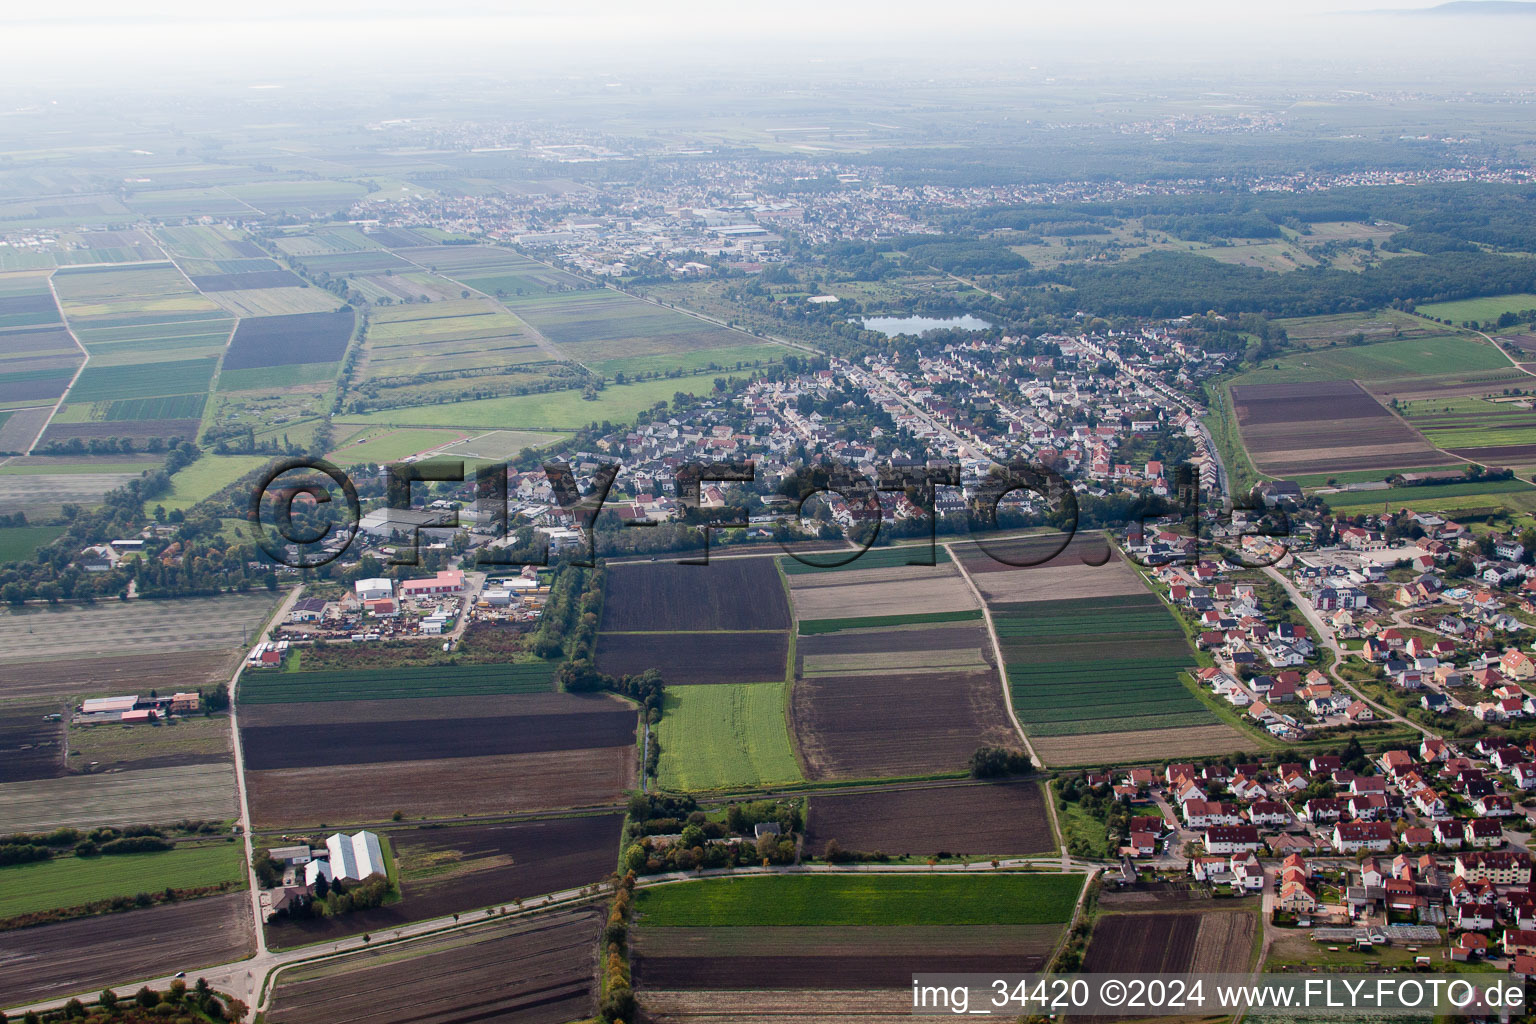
728 594
31 748
1032 569
540 969
446 788
922 820
466 867
688 658
1325 426
185 670
865 726
1140 747
854 957
1499 455
343 742
898 590
794 1006
94 953
1211 941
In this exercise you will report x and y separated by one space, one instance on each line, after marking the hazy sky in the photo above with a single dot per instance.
162 39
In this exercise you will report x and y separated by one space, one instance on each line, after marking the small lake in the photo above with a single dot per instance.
890 326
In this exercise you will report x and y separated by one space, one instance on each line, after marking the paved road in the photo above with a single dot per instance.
1325 635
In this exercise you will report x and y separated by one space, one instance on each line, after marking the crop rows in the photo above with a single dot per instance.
382 684
812 627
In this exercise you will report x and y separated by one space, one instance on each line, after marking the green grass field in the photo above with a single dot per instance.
72 881
810 627
267 378
846 900
725 736
390 444
205 477
269 686
1516 494
1481 309
19 542
1360 476
554 410
1098 664
1406 357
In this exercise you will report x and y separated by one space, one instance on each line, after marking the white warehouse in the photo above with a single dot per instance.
352 858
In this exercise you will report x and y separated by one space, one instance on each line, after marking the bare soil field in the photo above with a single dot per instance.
185 670
685 658
814 957
97 952
872 725
904 590
1498 455
822 1006
1087 567
959 637
1036 551
959 818
149 796
425 709
449 788
477 866
534 970
30 748
121 628
24 492
16 435
1323 426
344 743
1206 940
728 594
1139 747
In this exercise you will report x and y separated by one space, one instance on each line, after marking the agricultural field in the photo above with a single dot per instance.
128 628
1200 941
692 658
253 299
103 297
273 687
458 335
30 746
726 736
896 648
728 594
66 678
53 960
552 410
208 242
616 333
275 341
964 819
17 432
1062 682
430 729
815 627
897 556
74 881
435 757
21 542
896 724
1515 495
37 355
168 744
532 970
380 444
1324 427
1445 354
1334 328
1047 567
1481 310
499 445
881 592
461 868
205 478
838 932
144 797
1491 429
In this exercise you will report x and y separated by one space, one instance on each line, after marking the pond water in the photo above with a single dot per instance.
890 326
